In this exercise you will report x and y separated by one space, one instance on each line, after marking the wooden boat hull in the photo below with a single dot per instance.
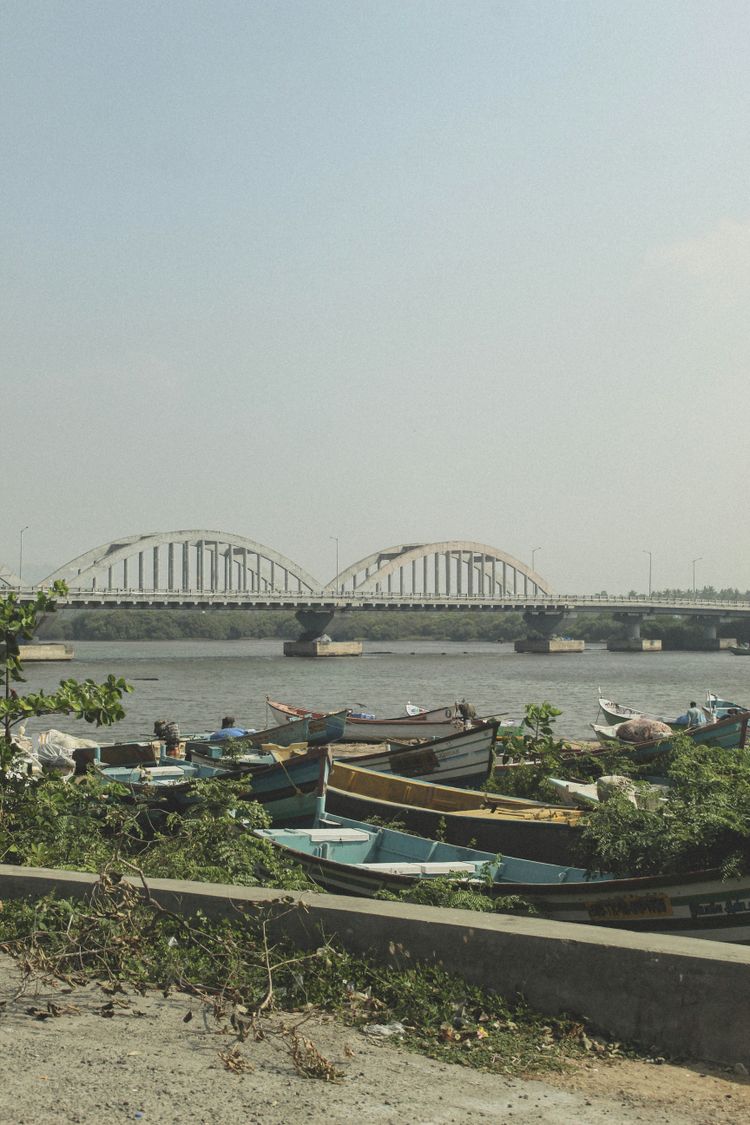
289 791
431 724
616 713
459 816
119 754
314 730
701 904
461 759
169 783
714 708
210 754
729 733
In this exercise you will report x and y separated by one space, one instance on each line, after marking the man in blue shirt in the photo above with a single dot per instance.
228 730
695 716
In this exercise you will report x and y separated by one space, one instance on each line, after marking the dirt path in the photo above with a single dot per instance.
137 1059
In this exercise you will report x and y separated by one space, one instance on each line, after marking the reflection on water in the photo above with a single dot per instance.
197 682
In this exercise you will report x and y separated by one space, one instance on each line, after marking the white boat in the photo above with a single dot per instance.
714 708
463 758
616 713
438 723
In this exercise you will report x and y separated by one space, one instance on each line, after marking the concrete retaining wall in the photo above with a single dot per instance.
679 996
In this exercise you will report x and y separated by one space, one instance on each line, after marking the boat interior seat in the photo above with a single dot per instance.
164 772
332 835
417 868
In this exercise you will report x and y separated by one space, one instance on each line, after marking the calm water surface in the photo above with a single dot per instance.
195 683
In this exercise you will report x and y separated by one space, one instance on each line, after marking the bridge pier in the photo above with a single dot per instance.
313 641
711 641
633 641
314 623
543 624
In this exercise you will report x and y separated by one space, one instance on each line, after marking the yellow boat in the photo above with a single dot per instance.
487 821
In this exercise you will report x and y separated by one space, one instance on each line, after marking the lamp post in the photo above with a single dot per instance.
649 570
533 553
336 541
699 559
20 552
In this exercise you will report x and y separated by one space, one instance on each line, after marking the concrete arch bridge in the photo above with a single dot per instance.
202 568
205 569
214 563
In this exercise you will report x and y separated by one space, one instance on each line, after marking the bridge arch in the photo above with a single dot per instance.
452 568
195 560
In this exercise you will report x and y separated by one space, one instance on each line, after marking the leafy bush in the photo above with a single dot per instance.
459 895
703 825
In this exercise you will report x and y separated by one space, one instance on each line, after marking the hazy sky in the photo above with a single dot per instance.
388 271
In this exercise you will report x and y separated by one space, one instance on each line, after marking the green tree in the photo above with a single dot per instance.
96 703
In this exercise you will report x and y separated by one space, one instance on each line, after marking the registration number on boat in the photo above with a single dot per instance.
630 907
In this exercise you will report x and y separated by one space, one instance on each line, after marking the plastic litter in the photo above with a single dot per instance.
55 750
384 1030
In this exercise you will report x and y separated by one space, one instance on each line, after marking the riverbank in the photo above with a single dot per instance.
82 1055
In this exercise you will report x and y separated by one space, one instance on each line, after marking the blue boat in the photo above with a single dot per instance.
247 749
291 791
168 782
351 857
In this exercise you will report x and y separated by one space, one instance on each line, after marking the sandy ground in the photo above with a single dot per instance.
121 1059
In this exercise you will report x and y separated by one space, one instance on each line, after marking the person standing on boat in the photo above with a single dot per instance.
467 711
695 716
169 734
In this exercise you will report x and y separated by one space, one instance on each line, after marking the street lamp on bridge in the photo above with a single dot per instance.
20 552
336 541
649 569
533 553
699 559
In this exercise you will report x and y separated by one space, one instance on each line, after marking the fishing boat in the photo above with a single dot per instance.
68 754
428 724
168 782
463 758
247 748
291 790
729 733
350 857
714 708
280 777
493 822
617 713
215 754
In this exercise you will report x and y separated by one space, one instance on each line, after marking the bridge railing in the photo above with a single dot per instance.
611 601
343 597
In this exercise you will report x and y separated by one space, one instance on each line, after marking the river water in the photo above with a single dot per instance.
195 683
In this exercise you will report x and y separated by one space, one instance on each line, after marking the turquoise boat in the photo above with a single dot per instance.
289 790
167 782
351 857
